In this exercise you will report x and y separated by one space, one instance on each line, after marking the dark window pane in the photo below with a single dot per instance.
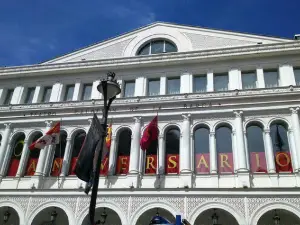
271 79
69 93
249 80
0 139
201 138
86 92
173 86
172 141
29 95
35 153
61 146
297 76
170 47
129 89
47 94
255 139
78 141
153 87
223 140
157 47
199 84
280 139
124 143
145 50
221 82
8 97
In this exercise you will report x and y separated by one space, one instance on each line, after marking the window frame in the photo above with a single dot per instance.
296 69
245 73
150 47
66 92
124 89
44 94
83 91
28 92
148 86
8 96
198 76
221 75
272 71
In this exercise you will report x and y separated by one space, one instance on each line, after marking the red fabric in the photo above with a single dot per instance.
104 166
258 162
202 163
13 167
72 166
123 164
172 164
31 166
51 137
56 167
150 134
283 162
225 163
151 164
108 137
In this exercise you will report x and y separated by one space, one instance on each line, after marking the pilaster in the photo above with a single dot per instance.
269 152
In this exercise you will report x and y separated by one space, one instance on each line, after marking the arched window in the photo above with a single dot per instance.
256 148
172 150
17 148
124 145
33 156
224 149
201 149
77 144
283 162
157 47
59 153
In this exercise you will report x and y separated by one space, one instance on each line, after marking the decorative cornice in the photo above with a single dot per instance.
179 57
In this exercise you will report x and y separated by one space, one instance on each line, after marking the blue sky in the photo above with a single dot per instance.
34 31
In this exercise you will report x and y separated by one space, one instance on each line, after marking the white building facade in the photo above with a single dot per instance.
228 119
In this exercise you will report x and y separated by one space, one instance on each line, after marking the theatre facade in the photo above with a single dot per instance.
228 148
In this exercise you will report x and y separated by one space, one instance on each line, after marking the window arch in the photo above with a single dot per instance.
16 152
201 150
77 144
224 149
124 146
172 150
283 162
33 156
256 148
157 46
59 153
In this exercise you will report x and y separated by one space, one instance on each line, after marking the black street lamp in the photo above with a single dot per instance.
102 218
6 216
53 215
214 218
276 218
109 88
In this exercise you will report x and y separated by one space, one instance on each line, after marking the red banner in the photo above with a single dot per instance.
31 166
225 163
202 163
56 167
122 165
258 162
13 167
151 164
283 162
72 166
104 166
172 164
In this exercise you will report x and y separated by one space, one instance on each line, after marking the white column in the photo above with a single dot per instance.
135 146
2 95
240 148
210 81
49 160
56 93
23 160
163 85
286 75
235 81
247 151
140 86
296 132
37 94
43 155
269 152
95 93
77 91
161 155
67 158
260 78
17 95
185 150
6 160
120 82
4 143
292 145
112 157
185 84
234 151
213 153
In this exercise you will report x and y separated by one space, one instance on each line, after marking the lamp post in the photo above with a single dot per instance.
109 88
102 218
214 218
276 218
6 216
53 215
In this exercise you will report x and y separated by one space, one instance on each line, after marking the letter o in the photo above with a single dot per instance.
286 156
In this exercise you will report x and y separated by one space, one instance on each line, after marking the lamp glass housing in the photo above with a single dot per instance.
103 217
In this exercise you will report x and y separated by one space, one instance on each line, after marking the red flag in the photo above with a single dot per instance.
51 137
150 134
108 137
